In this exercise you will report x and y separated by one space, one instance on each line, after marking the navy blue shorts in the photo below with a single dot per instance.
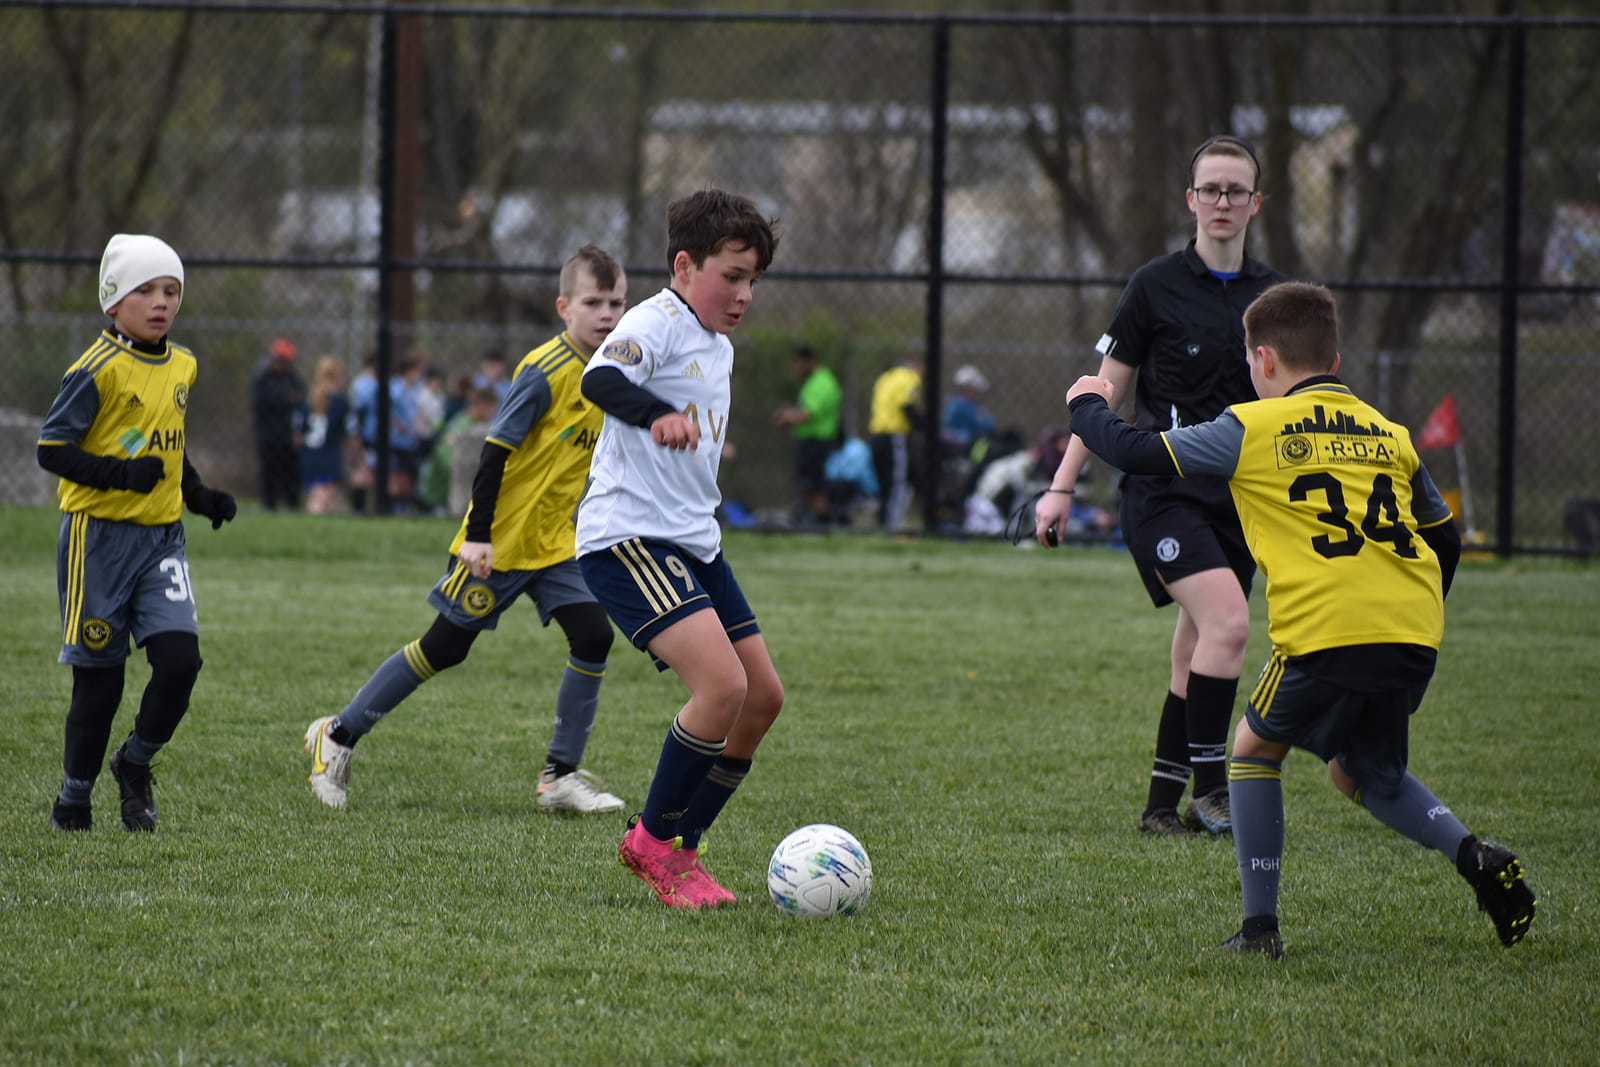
646 586
1368 732
1175 527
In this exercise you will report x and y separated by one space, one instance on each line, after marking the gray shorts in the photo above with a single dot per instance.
476 604
117 580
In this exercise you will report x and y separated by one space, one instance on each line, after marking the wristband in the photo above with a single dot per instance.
1063 492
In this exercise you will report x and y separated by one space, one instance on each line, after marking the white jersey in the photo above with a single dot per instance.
638 488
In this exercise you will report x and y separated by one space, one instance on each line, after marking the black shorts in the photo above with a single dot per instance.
1175 527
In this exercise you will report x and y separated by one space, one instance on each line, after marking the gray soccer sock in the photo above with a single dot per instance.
137 750
1255 797
390 684
76 791
576 703
1414 811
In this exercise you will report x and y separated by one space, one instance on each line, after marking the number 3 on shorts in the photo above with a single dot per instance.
177 572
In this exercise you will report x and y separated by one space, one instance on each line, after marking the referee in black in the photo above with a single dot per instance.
1178 328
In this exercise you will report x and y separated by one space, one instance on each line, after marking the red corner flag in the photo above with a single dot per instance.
1441 430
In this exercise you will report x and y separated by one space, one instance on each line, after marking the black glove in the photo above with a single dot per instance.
213 504
142 474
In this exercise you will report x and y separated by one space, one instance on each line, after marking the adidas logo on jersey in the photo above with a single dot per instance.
134 403
694 370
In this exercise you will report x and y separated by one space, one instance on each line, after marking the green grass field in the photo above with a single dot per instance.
980 716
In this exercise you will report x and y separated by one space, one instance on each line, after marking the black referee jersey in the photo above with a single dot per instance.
1183 328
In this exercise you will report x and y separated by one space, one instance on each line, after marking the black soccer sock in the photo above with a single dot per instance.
683 765
1170 772
1209 710
96 692
174 665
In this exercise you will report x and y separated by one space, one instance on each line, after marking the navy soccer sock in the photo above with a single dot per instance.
713 795
682 768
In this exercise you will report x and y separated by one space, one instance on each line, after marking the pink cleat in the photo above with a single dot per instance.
674 872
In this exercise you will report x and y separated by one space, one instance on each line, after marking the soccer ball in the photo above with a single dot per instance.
819 870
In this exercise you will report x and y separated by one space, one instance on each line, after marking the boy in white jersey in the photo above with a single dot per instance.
649 542
1358 549
115 436
516 538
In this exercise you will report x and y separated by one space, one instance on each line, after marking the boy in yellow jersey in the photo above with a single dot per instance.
1358 549
517 537
115 436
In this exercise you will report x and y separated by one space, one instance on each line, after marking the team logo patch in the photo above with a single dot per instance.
1192 349
477 600
1296 449
96 634
626 352
180 397
1167 549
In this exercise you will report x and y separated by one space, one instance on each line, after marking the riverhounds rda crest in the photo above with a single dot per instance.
1295 449
477 600
96 634
626 352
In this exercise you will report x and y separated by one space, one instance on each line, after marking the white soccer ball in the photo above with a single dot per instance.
819 870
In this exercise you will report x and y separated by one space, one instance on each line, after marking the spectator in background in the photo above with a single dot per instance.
813 420
405 431
493 374
275 396
322 425
446 484
966 421
892 427
364 418
1016 479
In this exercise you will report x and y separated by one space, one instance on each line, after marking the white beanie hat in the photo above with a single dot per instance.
970 377
130 260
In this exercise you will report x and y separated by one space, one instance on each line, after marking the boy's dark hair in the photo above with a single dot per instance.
597 261
702 223
1298 319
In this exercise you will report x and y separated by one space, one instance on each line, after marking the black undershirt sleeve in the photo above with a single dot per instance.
76 465
609 390
1445 540
1119 443
486 490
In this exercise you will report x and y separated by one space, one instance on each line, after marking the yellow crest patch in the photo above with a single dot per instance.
477 600
96 634
180 396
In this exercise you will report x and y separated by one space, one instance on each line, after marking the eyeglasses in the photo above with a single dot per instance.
1213 194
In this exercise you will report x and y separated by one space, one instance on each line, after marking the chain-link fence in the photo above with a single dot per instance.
382 182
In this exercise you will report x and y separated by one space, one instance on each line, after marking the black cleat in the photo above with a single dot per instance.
135 782
1502 892
1163 821
1265 943
70 817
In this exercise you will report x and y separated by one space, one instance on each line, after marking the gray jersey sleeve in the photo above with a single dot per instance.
525 404
1208 448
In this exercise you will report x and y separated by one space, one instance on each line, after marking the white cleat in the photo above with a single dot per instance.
330 764
579 791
